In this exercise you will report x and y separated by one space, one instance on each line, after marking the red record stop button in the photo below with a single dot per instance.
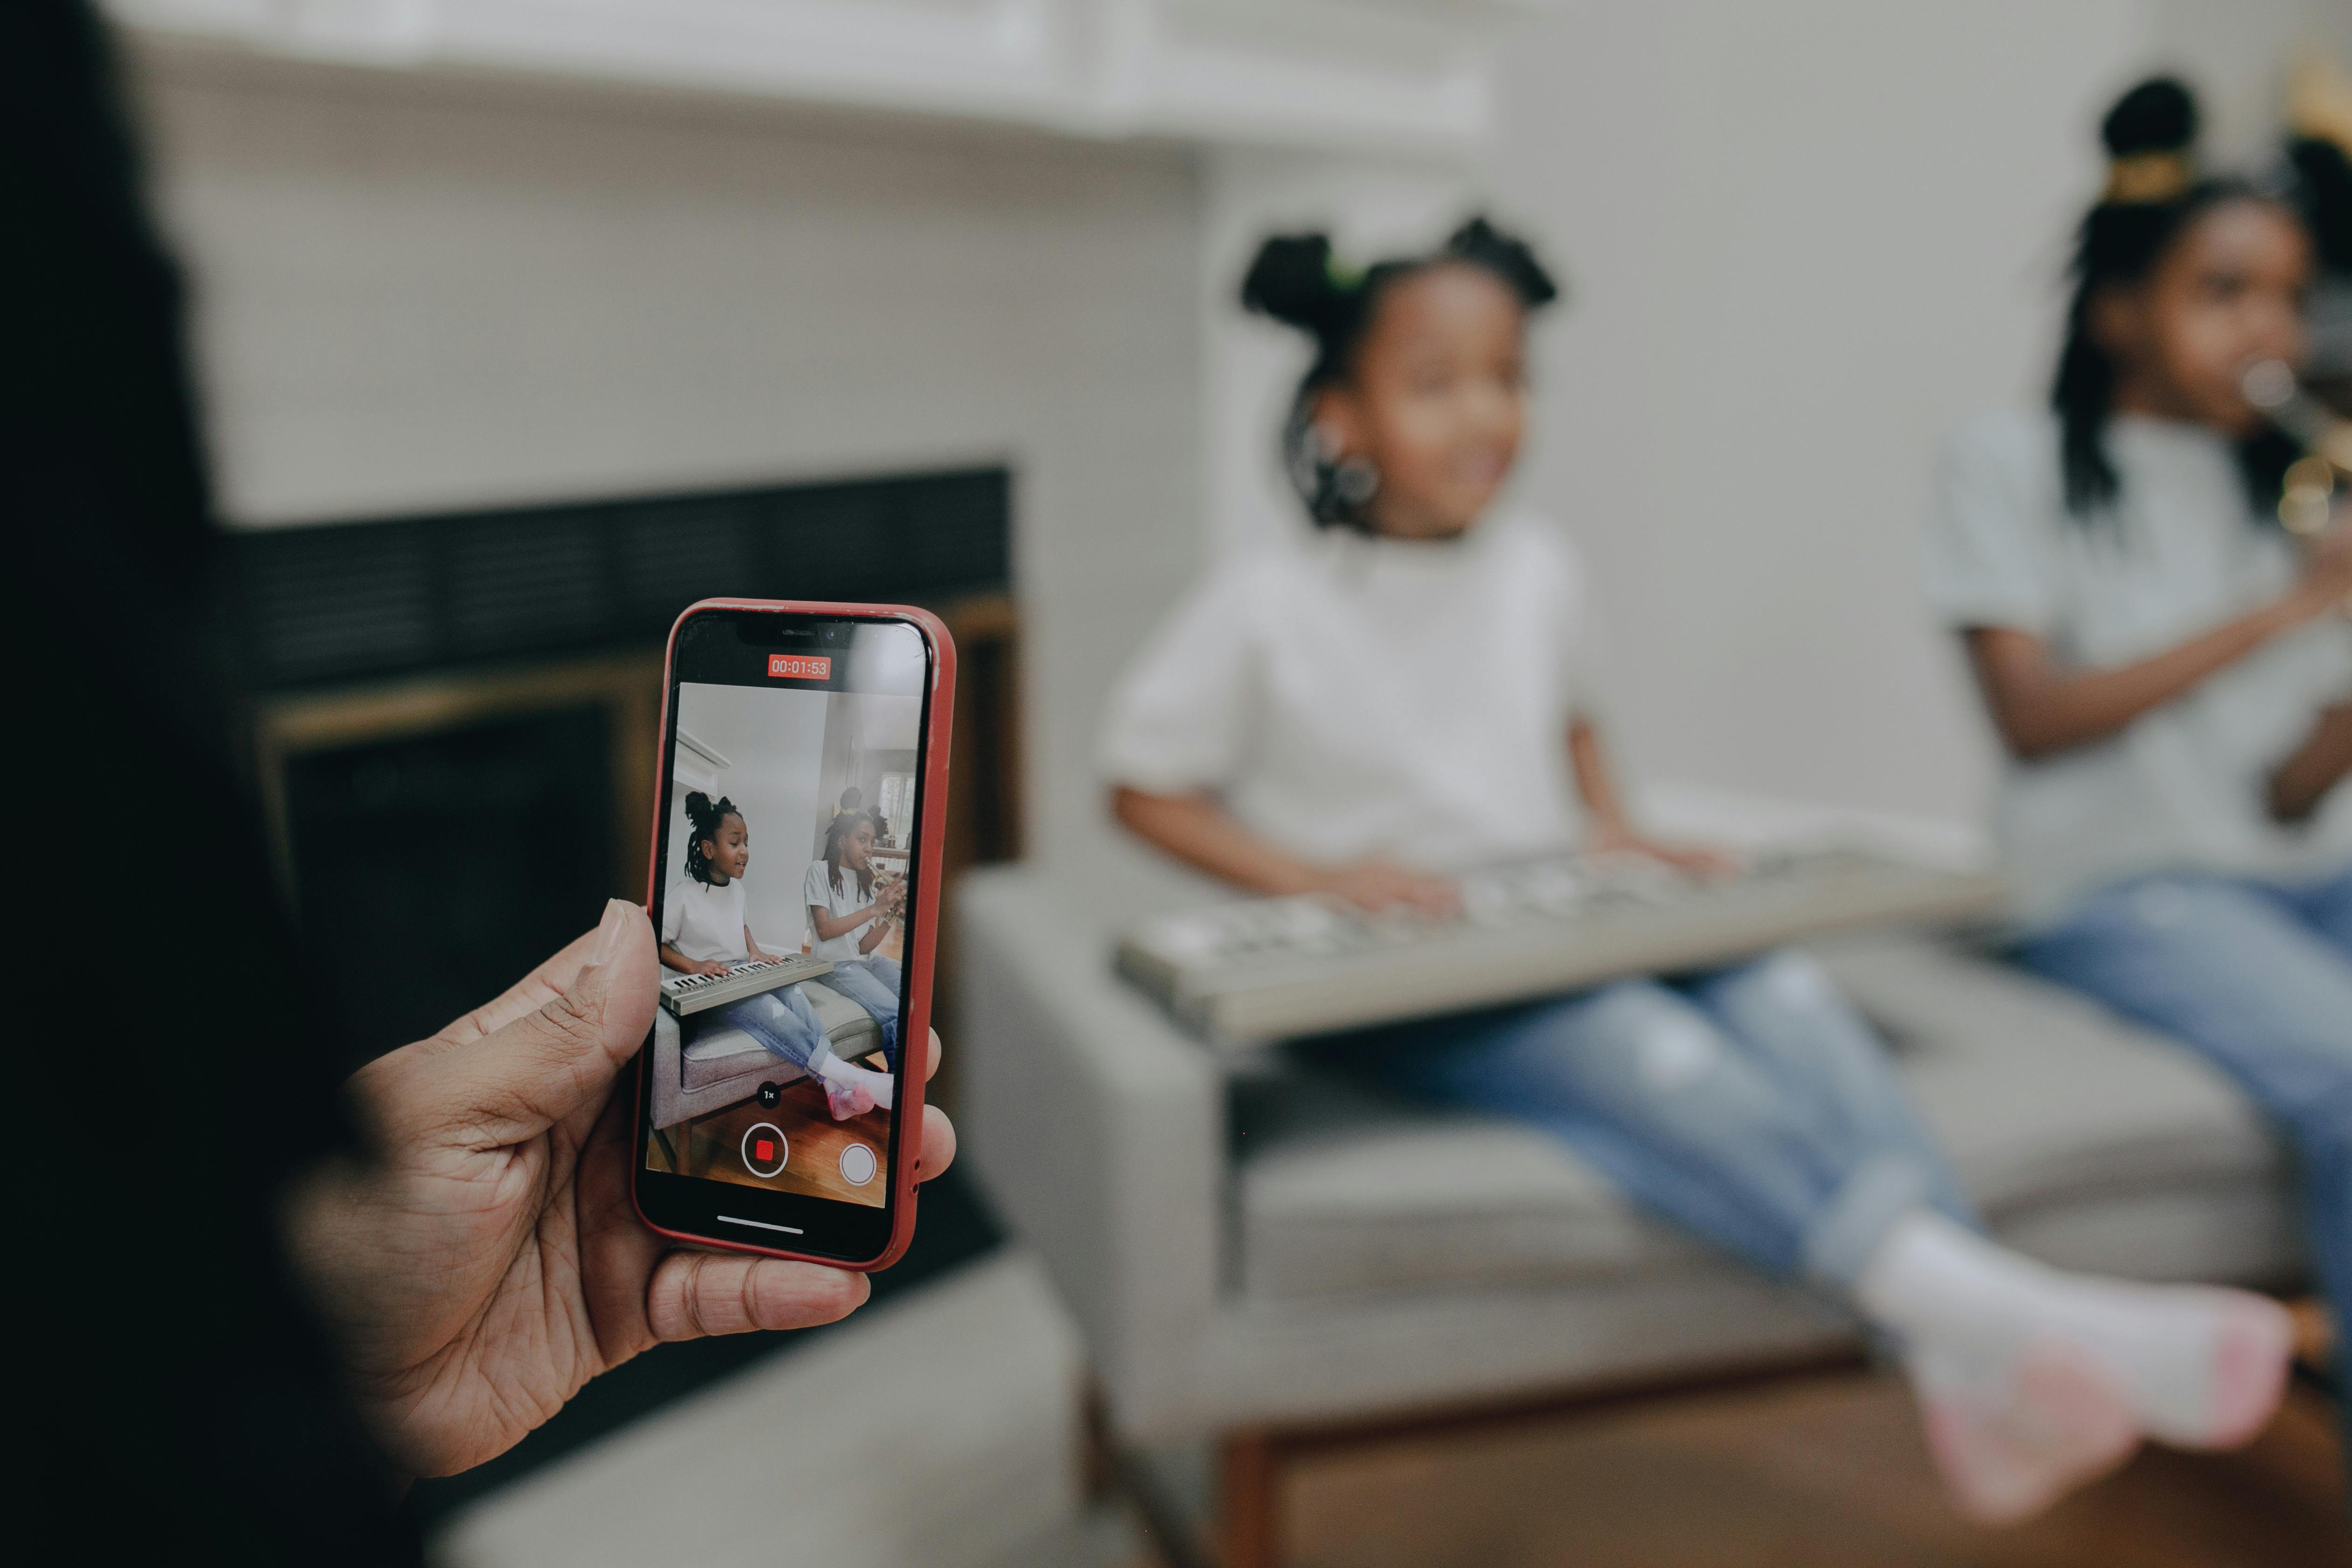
764 1150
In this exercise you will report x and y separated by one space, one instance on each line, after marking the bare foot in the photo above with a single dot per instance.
2063 1425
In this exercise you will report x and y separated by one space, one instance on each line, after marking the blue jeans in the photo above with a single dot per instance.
2258 979
1752 1105
873 985
782 1022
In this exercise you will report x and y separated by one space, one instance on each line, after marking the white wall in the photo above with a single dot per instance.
2232 48
418 292
1801 241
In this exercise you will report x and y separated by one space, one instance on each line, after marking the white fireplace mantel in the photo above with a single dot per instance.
1399 75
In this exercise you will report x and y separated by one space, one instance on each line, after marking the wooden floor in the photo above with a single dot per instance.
1819 1472
711 1146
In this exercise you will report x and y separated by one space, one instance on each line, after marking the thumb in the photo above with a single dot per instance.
546 1063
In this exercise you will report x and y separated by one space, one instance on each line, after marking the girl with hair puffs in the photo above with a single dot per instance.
704 932
1411 693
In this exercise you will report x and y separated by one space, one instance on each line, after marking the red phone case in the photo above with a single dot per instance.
922 927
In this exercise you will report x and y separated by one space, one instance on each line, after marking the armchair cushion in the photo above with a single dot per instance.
1341 1191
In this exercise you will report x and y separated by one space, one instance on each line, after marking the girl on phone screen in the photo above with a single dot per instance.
704 932
2169 671
1412 692
852 911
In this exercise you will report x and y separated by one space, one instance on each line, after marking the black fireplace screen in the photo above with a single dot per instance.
346 600
434 870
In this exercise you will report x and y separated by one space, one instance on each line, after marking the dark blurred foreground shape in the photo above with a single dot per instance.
438 738
184 1405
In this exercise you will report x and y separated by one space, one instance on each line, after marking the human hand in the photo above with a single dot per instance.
1376 886
1694 859
489 1262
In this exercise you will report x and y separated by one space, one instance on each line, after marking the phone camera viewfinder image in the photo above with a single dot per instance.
788 870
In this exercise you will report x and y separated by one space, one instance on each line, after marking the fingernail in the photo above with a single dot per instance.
610 930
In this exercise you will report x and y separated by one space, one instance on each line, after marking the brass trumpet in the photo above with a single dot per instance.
2307 503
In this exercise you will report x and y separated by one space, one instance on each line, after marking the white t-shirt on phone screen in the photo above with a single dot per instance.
839 898
1349 697
703 921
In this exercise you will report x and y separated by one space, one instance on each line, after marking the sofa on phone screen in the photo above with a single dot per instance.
723 1064
1264 1257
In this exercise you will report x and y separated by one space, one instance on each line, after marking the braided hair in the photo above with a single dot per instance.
1295 280
836 833
705 817
2153 198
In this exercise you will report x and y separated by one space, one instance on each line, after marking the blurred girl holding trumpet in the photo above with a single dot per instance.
2153 582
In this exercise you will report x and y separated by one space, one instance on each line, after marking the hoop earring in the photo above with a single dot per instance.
1355 480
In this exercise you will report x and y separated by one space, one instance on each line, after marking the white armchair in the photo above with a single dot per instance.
1270 1258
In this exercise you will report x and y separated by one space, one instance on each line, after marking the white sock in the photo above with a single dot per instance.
2196 1367
877 1084
2008 1450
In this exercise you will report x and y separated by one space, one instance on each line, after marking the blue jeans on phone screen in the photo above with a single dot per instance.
783 1022
873 984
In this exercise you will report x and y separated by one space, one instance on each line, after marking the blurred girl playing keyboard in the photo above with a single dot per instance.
1411 693
706 931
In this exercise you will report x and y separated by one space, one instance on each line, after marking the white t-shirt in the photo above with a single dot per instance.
2182 553
836 898
704 921
1349 697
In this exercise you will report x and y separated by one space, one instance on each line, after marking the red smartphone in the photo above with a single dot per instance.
795 895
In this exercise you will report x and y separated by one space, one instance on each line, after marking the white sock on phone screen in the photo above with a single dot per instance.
851 1075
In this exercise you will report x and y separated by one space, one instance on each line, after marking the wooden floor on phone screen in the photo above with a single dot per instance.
1818 1472
711 1146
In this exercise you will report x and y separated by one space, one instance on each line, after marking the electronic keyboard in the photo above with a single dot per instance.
684 994
1271 969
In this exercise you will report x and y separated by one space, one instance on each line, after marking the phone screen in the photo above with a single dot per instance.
789 859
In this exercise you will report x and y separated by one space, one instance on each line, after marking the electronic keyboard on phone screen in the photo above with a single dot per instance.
1269 969
684 994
